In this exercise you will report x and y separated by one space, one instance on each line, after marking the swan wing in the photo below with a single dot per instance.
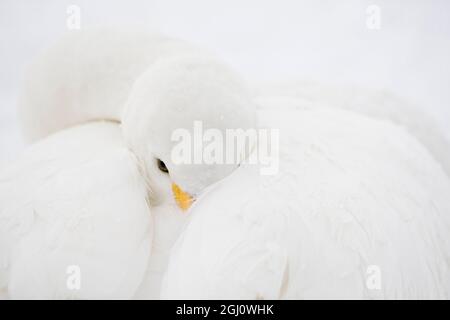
358 209
74 218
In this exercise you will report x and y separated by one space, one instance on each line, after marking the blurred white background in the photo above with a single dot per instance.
326 41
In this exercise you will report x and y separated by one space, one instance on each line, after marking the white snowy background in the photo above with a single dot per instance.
326 41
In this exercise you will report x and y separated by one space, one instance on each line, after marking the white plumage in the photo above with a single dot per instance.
351 193
150 83
74 199
377 104
88 75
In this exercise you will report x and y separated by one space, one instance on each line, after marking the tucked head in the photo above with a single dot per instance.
184 95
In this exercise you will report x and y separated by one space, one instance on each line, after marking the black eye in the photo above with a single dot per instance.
162 166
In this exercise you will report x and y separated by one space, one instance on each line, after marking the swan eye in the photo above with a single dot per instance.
162 166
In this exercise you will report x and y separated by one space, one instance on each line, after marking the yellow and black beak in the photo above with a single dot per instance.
183 199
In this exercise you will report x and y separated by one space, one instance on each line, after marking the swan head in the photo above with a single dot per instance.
179 96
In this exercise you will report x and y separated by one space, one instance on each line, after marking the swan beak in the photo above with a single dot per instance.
183 199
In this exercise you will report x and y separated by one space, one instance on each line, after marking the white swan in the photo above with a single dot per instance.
173 92
355 198
74 219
